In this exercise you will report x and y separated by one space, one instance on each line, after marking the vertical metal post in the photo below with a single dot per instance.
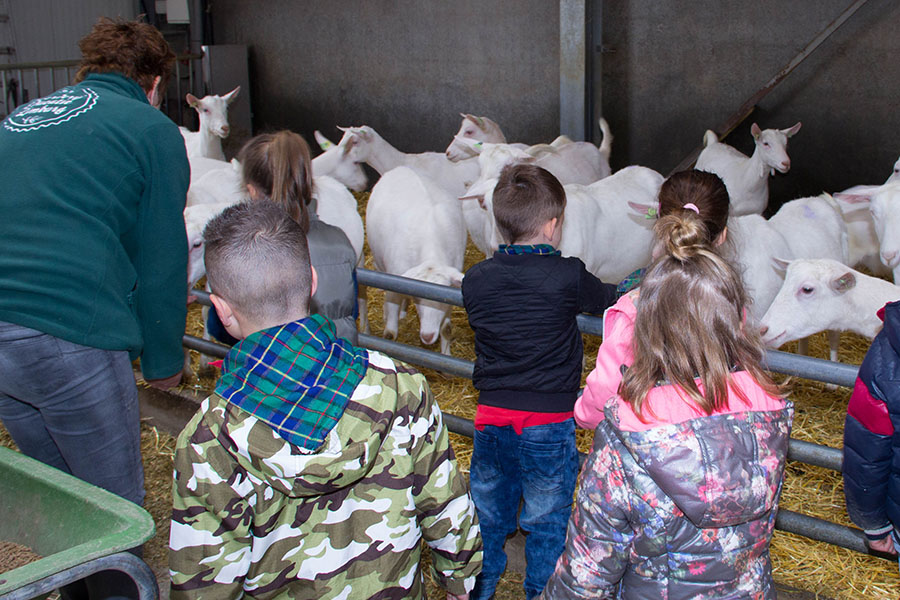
178 94
572 90
52 79
37 83
594 69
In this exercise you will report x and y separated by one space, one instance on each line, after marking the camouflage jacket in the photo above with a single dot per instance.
254 516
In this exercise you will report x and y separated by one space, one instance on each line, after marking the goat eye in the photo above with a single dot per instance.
807 290
766 144
469 132
197 244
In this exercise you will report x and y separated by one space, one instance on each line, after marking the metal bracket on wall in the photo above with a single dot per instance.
749 106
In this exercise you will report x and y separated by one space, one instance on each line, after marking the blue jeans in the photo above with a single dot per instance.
537 469
75 408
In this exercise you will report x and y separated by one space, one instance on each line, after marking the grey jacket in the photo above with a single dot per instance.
334 259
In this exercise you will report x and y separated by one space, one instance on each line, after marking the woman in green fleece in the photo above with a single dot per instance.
93 271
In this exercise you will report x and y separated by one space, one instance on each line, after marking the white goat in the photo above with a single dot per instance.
884 206
598 225
573 162
213 113
862 238
331 163
363 144
824 294
747 178
895 176
813 228
415 229
215 185
802 228
195 219
475 128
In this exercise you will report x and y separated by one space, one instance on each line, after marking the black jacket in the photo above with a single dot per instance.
522 309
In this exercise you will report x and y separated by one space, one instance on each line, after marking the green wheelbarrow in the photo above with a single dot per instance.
78 528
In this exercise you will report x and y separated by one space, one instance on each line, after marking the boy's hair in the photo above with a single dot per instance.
690 322
257 259
134 49
278 165
706 191
525 199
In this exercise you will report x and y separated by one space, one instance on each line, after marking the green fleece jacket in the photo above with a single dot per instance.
94 248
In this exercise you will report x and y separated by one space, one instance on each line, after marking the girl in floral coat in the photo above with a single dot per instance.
679 496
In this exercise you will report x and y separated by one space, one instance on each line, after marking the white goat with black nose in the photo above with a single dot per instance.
747 177
213 113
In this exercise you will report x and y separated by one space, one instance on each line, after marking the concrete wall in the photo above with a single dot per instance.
405 67
676 71
676 68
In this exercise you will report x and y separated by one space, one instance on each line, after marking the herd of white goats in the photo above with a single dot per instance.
796 265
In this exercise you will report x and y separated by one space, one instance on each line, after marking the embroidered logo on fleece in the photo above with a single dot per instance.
57 108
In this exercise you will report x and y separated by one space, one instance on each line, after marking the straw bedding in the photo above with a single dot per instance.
798 562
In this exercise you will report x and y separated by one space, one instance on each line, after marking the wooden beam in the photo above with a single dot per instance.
749 106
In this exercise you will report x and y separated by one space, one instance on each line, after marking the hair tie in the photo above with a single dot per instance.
691 206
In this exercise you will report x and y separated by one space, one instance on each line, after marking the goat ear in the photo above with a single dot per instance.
348 145
780 265
649 211
755 131
192 100
324 142
793 130
475 146
852 198
230 96
844 283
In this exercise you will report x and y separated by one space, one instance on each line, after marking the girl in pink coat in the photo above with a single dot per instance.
679 496
696 191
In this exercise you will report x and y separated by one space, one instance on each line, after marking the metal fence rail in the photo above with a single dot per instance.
779 362
21 82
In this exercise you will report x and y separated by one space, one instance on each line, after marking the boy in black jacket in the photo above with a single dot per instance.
522 305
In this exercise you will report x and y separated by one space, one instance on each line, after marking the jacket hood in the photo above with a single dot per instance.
720 470
348 454
304 410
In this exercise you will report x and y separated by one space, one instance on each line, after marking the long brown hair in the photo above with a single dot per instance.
690 322
278 166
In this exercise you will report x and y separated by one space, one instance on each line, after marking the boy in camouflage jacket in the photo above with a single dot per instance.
316 468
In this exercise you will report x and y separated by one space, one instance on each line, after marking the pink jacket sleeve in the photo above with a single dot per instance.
615 351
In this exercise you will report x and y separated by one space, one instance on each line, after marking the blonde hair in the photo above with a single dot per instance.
278 166
690 322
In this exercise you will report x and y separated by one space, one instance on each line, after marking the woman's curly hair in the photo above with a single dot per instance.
134 49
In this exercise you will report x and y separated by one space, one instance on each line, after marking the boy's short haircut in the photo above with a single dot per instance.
257 259
526 197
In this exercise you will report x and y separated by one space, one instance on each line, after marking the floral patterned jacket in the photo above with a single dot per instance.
678 510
